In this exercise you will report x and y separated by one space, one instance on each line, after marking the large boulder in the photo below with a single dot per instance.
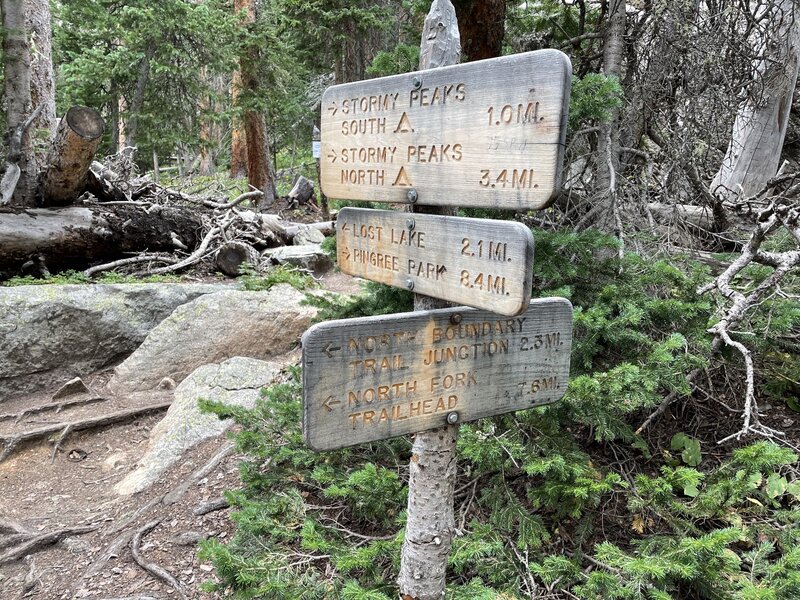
52 333
236 381
213 328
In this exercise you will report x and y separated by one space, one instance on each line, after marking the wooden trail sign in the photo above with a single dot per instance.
487 133
477 262
378 377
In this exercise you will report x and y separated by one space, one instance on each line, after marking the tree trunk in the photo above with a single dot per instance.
482 27
17 80
430 521
258 153
71 155
43 93
754 151
75 236
137 102
238 143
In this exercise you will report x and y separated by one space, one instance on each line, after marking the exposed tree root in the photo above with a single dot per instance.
39 541
12 441
152 568
211 506
53 406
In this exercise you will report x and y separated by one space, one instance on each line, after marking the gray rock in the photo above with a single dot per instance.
237 381
308 256
308 235
72 388
213 328
52 333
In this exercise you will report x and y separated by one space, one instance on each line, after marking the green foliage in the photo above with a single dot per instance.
401 59
253 281
592 99
689 448
536 482
376 299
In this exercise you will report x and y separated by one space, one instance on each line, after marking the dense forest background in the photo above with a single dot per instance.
669 468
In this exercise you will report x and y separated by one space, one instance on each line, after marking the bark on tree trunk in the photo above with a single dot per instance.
43 93
75 236
258 153
430 521
238 144
482 26
17 80
71 155
754 152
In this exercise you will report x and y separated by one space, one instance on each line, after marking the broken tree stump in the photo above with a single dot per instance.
70 156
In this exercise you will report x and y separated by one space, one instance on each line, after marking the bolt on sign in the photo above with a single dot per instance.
488 133
476 262
374 378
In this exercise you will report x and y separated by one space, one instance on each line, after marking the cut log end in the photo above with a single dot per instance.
232 255
86 122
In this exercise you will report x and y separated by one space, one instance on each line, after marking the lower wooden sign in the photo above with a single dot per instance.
477 262
374 378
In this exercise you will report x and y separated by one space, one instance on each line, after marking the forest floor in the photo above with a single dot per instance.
44 493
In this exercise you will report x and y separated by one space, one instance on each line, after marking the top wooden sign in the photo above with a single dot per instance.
488 133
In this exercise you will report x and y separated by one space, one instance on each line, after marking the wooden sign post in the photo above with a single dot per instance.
475 262
488 134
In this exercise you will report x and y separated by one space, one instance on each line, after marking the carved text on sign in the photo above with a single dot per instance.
475 262
487 133
379 377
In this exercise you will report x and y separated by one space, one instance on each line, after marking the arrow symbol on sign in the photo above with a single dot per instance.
346 253
332 108
331 348
345 227
330 400
332 156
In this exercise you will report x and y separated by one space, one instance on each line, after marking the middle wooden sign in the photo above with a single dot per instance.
476 262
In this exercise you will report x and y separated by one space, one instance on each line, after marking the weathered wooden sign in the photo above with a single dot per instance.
476 262
379 377
485 133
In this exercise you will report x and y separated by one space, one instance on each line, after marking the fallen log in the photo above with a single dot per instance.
76 236
70 156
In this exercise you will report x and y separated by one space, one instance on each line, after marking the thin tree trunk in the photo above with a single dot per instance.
754 152
17 79
430 521
115 122
137 102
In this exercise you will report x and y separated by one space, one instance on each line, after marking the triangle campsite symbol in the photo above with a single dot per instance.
402 179
404 126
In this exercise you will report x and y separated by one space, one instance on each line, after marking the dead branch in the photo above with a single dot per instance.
12 441
152 568
768 221
91 271
44 539
193 258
